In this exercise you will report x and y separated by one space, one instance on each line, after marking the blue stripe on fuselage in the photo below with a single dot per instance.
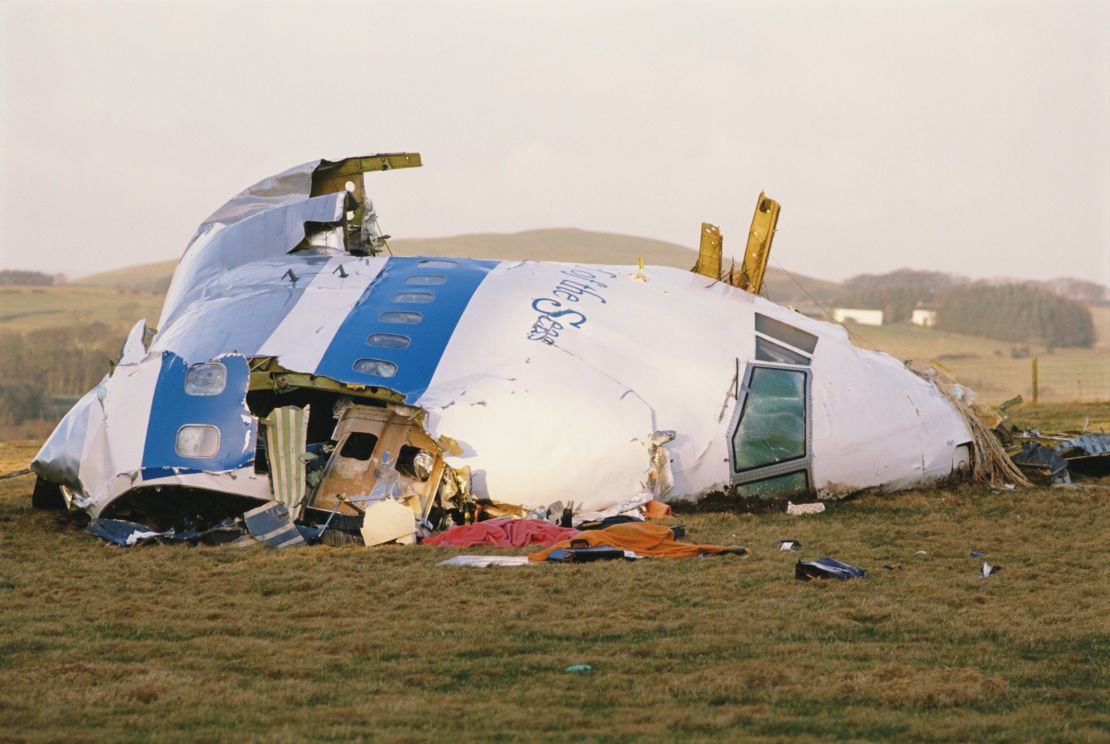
171 408
428 339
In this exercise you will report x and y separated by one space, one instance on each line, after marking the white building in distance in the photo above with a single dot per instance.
858 315
924 318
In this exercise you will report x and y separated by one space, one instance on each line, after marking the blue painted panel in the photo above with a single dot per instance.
416 363
171 408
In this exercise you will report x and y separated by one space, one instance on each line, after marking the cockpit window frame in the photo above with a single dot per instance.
762 472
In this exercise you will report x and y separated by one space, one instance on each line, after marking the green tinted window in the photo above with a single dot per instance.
772 426
777 487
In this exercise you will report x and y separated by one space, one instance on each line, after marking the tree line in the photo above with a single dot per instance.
63 361
1006 312
16 277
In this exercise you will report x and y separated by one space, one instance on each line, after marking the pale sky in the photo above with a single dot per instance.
970 136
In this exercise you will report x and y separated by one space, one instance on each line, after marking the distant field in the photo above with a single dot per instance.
989 367
324 644
32 308
151 277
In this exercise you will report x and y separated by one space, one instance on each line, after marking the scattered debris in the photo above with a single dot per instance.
272 524
128 534
788 544
1086 453
643 539
976 554
892 567
1041 464
578 668
27 471
483 561
827 568
388 521
988 569
800 509
122 532
588 554
601 524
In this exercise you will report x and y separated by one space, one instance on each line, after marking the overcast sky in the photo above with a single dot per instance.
966 136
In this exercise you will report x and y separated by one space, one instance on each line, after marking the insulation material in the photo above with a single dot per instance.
286 442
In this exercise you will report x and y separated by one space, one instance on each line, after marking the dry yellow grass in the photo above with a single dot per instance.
188 644
26 309
988 366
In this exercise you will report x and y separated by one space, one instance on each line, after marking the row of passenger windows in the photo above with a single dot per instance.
381 367
202 441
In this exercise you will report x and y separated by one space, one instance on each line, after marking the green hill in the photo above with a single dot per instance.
558 244
151 277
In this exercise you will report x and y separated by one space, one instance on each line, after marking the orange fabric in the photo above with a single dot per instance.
657 510
642 538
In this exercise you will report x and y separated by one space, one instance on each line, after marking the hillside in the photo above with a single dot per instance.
558 244
28 309
151 277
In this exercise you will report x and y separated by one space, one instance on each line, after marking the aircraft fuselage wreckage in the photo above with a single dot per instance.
295 363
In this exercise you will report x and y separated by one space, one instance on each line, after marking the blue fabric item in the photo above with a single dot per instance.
172 408
415 364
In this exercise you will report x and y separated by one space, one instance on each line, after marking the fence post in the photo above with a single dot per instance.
1034 380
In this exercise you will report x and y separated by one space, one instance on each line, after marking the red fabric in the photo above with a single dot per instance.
502 533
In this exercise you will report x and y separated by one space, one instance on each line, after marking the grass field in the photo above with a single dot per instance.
188 644
988 367
24 309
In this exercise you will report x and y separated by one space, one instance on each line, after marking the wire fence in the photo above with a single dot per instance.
1055 379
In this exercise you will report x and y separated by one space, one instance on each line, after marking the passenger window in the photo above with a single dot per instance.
772 427
419 298
198 440
375 367
426 280
209 378
404 318
359 446
388 340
